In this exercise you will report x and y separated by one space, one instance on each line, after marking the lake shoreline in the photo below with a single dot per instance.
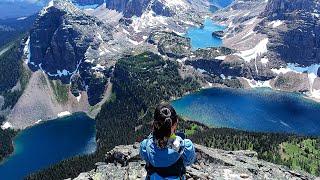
248 117
25 141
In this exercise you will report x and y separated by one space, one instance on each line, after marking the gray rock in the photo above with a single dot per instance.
123 162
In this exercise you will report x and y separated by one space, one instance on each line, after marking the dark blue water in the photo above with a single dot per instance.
221 3
260 110
48 143
202 37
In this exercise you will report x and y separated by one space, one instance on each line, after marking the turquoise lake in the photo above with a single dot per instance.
258 110
221 3
201 37
48 143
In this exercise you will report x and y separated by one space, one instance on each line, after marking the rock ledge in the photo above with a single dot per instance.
123 162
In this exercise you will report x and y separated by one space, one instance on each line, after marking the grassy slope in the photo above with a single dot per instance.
304 155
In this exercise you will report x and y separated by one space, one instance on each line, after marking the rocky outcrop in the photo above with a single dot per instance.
318 72
170 44
291 81
123 162
218 34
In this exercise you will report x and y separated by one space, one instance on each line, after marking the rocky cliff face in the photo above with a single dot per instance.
123 162
65 41
299 40
131 8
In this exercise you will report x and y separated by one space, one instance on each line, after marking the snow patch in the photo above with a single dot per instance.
275 23
6 125
258 84
251 21
201 70
314 94
78 98
253 53
220 57
45 10
264 60
134 42
98 67
175 3
148 20
21 18
310 70
39 121
248 34
26 50
63 114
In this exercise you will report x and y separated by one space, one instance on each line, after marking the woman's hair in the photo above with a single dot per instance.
164 118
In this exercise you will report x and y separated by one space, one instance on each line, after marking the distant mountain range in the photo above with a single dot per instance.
24 8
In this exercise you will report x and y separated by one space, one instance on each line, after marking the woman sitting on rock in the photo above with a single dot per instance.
166 153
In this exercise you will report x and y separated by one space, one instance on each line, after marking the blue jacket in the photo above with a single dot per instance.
157 157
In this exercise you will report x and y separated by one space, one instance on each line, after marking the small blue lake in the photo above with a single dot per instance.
45 144
259 110
201 37
221 3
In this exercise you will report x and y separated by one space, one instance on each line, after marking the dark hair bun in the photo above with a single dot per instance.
164 118
165 112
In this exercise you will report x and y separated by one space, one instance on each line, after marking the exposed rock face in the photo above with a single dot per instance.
124 162
319 72
292 82
128 7
60 38
299 42
65 41
171 44
282 9
131 8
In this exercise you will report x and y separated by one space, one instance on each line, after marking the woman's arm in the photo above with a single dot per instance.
189 153
143 150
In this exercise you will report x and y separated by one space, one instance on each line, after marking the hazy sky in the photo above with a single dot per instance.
29 1
20 8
